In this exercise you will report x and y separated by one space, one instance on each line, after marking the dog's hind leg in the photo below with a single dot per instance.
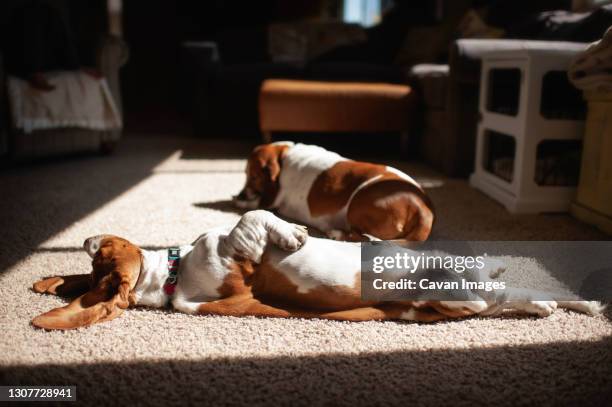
238 305
241 306
358 314
539 303
388 311
586 307
256 229
424 314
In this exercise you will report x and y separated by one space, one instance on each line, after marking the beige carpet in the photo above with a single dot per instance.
159 192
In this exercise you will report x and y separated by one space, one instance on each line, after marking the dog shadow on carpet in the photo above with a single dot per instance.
224 205
227 205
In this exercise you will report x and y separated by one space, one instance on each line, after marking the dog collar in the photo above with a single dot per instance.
174 258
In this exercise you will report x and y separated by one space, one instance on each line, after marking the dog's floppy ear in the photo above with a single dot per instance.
116 267
271 167
270 157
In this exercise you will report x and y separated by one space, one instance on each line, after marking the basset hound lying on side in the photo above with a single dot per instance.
263 266
344 198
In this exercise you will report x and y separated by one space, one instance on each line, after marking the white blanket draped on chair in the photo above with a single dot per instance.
78 100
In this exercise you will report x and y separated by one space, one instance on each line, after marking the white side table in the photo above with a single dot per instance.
528 110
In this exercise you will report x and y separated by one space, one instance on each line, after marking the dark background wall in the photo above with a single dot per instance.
155 33
155 29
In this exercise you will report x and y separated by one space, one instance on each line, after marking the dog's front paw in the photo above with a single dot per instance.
587 307
591 307
48 285
290 236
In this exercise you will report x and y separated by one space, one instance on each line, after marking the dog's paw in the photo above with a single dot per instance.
540 308
586 307
290 236
48 285
593 307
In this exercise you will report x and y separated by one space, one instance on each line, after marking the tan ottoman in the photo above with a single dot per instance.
308 106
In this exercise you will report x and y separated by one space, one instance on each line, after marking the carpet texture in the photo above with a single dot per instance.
159 192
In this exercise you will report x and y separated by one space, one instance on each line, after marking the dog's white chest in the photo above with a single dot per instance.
204 269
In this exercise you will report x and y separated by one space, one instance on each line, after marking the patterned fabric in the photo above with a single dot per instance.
592 69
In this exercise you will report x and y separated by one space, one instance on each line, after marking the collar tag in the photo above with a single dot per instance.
174 258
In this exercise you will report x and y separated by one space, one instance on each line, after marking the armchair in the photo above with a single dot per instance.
17 145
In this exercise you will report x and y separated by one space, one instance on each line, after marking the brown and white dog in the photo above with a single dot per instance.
344 198
263 266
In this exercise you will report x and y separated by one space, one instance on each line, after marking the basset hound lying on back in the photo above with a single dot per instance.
344 198
263 266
